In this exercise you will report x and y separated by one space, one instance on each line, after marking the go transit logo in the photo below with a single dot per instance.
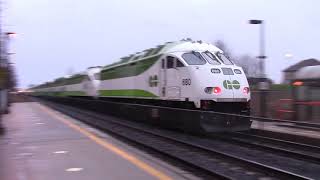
228 85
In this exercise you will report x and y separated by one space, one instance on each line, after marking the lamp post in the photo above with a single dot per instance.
261 56
263 84
4 68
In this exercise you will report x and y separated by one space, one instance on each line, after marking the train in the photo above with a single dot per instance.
185 74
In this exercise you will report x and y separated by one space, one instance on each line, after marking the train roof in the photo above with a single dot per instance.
168 47
184 45
61 81
308 72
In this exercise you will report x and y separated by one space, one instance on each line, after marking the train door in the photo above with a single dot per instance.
170 78
93 86
87 86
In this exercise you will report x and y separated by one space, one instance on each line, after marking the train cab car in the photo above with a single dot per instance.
179 74
201 73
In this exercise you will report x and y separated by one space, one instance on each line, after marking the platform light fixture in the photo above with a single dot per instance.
262 45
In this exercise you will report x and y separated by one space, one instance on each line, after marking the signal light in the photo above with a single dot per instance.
246 90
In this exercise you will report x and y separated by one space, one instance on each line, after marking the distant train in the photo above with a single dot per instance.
184 74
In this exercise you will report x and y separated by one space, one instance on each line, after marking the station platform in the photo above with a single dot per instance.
287 128
39 143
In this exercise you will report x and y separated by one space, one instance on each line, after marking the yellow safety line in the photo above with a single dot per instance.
110 147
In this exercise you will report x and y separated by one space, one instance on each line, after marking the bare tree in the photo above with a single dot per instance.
249 63
222 45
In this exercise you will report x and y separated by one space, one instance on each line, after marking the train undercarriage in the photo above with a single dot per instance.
176 115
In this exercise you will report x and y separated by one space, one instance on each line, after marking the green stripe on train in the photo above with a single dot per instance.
127 92
128 70
72 93
75 79
61 93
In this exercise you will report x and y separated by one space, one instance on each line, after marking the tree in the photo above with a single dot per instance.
249 64
221 45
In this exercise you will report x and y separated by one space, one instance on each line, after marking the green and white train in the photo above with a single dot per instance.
184 74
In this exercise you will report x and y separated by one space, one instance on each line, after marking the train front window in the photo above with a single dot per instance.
212 59
194 58
224 59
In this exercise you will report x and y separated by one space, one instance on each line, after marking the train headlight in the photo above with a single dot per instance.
237 71
216 90
246 90
210 90
215 71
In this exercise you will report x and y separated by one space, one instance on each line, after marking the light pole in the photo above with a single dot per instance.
262 55
263 83
4 70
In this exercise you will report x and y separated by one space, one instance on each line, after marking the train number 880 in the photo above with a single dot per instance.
186 82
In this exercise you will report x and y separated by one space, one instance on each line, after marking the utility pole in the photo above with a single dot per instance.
4 64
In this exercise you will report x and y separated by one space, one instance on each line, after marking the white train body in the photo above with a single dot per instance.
182 71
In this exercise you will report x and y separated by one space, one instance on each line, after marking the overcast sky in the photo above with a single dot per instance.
55 36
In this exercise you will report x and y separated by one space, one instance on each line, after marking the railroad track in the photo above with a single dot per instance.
307 140
184 148
283 147
307 125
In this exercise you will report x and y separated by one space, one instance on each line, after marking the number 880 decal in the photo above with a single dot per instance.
186 82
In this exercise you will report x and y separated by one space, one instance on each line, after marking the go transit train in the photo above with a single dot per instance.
185 74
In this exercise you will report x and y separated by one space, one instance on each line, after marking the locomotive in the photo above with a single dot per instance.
185 74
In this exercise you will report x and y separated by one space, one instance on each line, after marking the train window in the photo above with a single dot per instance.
224 59
227 71
179 63
194 58
170 62
212 59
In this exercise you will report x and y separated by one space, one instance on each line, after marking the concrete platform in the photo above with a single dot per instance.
38 143
287 128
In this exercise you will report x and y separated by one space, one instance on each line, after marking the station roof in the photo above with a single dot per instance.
301 64
309 72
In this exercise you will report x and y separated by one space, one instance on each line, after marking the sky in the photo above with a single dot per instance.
56 37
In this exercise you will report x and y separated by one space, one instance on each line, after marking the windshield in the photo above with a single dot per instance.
194 58
224 59
212 59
